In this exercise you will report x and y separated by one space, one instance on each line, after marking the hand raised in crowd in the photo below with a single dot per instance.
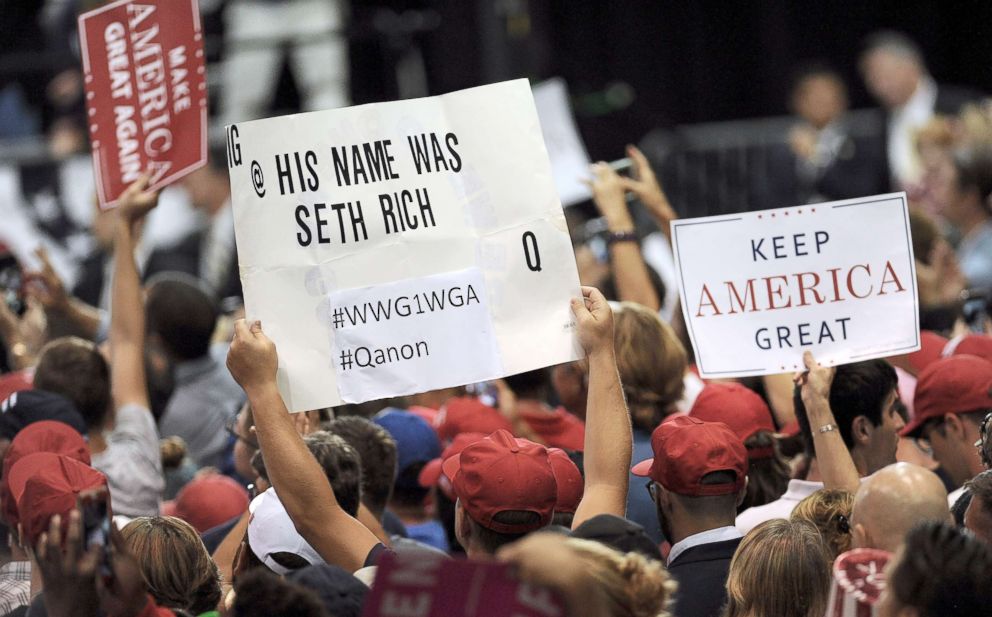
815 382
595 321
645 185
68 572
608 193
252 358
136 200
46 285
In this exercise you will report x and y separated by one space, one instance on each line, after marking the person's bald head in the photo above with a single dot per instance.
894 499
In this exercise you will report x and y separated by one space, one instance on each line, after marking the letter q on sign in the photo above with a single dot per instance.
531 252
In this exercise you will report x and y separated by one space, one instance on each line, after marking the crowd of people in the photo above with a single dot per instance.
151 467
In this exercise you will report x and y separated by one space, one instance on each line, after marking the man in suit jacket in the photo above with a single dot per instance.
895 74
823 159
697 479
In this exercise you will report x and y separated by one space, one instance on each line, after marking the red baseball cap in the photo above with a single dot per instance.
956 384
16 382
44 436
501 473
569 481
431 472
466 414
686 449
45 484
973 345
738 407
208 501
931 349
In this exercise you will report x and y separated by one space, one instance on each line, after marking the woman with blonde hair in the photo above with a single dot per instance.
592 578
174 562
829 510
652 364
779 570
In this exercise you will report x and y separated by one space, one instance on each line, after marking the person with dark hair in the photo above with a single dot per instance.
978 516
862 397
555 427
824 159
416 445
261 594
941 571
618 533
377 451
696 479
967 205
76 369
341 465
952 397
181 317
748 415
895 73
342 594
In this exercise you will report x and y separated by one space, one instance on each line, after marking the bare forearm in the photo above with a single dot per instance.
608 441
302 486
631 275
834 459
127 323
85 319
228 549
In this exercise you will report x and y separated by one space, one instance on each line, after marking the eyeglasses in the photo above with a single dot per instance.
652 488
232 429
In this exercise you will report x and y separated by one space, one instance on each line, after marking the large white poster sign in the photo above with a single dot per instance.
569 159
759 288
401 247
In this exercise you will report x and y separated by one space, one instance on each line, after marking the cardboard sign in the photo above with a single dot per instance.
146 93
416 583
569 159
760 288
401 247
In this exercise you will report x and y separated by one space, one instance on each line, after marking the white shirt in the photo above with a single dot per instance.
953 496
709 536
904 122
780 508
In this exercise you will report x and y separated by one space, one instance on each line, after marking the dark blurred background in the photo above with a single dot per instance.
631 66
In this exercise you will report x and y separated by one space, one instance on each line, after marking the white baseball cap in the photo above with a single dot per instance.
270 530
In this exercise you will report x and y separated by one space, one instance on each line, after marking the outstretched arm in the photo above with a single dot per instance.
127 314
645 185
47 287
608 441
626 262
301 484
836 465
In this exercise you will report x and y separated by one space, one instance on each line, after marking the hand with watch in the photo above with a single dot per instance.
630 273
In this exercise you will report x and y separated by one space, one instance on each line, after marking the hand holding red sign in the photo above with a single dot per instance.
146 92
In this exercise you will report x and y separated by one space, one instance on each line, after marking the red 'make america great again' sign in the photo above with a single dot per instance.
146 93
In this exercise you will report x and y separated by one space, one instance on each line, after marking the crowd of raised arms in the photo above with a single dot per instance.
140 409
